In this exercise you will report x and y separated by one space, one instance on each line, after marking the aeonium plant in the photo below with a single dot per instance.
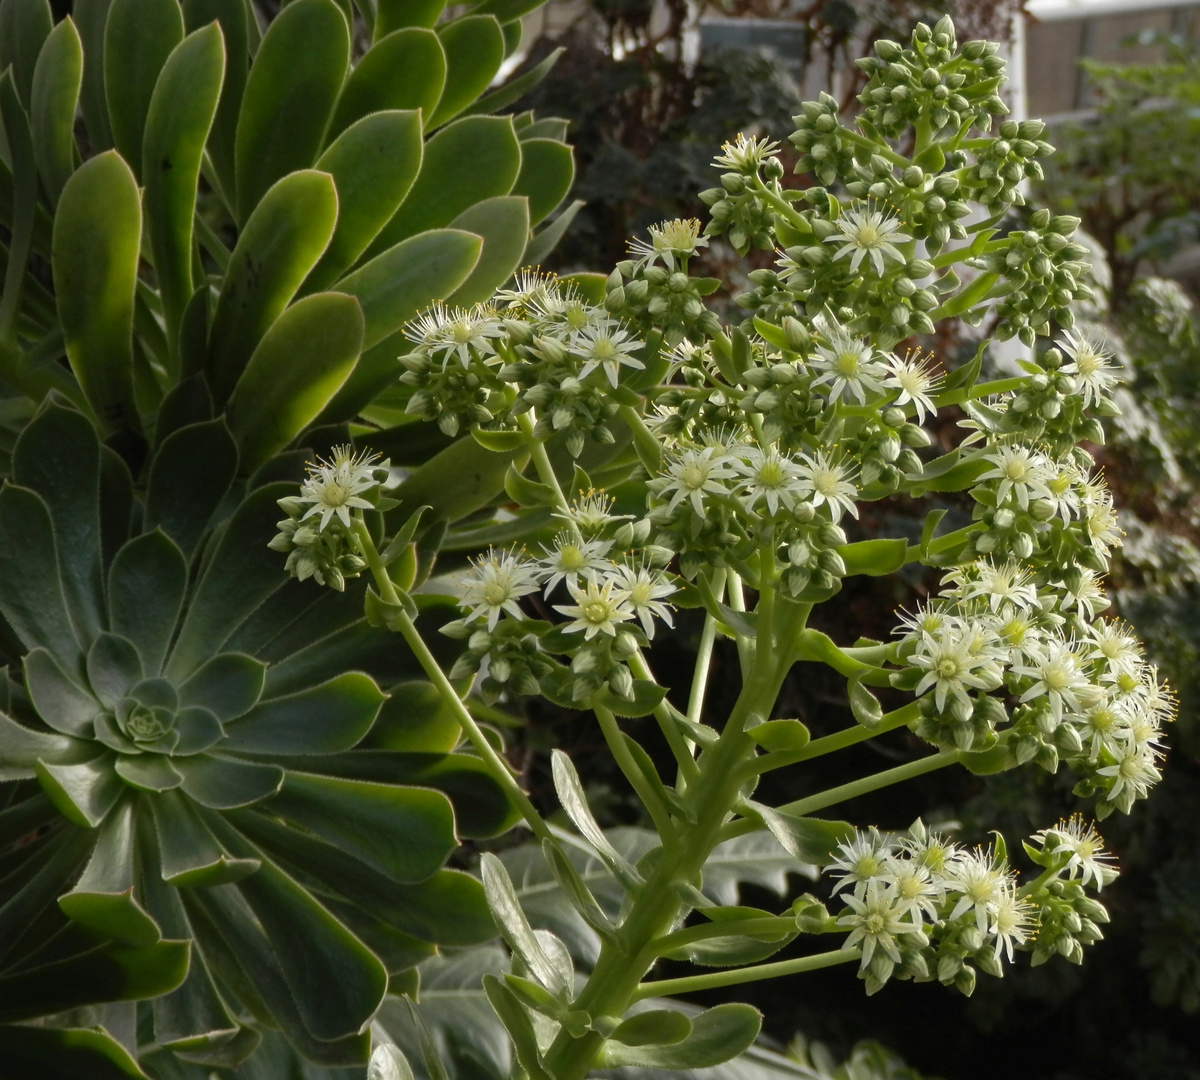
753 448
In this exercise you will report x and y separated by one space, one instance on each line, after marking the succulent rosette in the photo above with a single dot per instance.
184 749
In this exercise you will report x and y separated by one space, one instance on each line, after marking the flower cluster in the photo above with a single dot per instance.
317 534
921 907
537 348
616 588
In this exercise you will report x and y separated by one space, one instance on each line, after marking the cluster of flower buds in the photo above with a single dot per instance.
736 206
538 347
932 83
654 291
616 585
317 534
921 907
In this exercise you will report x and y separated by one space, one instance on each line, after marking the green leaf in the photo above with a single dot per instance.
31 593
405 70
24 27
574 802
60 702
782 735
655 1027
229 685
474 47
145 594
289 98
94 255
83 793
113 666
103 899
998 758
112 972
58 456
503 224
810 840
233 16
391 15
518 1025
224 783
547 172
444 188
544 242
415 718
324 719
507 10
281 242
877 558
189 477
395 286
717 1035
298 366
149 772
526 492
514 926
647 696
190 855
373 164
514 89
20 151
90 17
138 38
54 97
864 704
404 833
337 983
178 122
388 1063
456 482
38 1053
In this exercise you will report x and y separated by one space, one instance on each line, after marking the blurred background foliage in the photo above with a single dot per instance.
646 118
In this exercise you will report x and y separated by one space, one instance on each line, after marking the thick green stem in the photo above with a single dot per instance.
681 749
733 976
541 462
625 958
412 636
839 740
708 637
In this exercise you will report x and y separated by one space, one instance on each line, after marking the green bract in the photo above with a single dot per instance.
188 714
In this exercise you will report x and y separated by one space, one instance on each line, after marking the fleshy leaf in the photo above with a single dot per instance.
148 772
60 702
324 719
717 1035
53 100
547 172
189 476
113 666
474 47
190 855
229 684
146 583
405 833
289 97
223 783
85 792
38 1053
503 222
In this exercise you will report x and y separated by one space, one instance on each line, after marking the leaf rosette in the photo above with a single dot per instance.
188 754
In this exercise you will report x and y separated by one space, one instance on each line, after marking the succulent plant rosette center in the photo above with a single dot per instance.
187 756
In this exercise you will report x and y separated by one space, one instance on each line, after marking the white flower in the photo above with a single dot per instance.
603 346
1011 920
646 589
1020 470
916 888
982 882
1064 481
670 240
532 286
848 365
1003 583
1085 847
876 919
1100 518
768 476
868 231
1090 365
570 557
1115 644
926 622
1087 597
1055 667
746 154
1017 632
696 473
1105 726
952 666
828 483
861 860
336 486
597 608
913 377
591 513
455 331
1133 773
494 585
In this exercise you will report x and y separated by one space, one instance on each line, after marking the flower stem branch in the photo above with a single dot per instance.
412 636
657 809
839 740
734 976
